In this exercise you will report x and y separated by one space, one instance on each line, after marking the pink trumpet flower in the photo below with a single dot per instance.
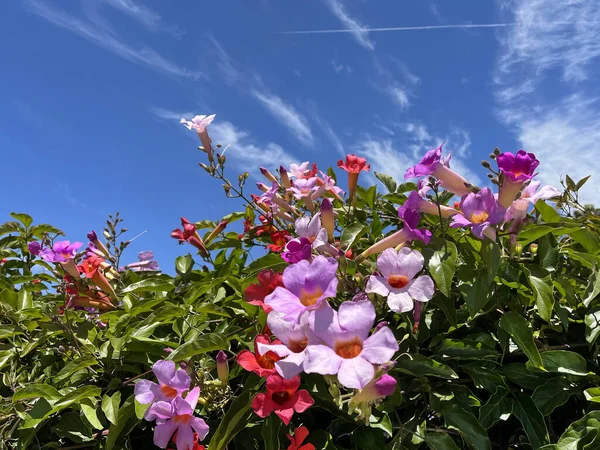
199 123
517 169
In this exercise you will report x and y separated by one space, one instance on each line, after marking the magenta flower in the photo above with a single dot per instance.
348 351
415 202
303 188
297 250
295 338
517 211
171 383
408 233
178 416
271 198
479 212
34 248
397 279
307 286
146 263
519 167
61 251
433 164
376 389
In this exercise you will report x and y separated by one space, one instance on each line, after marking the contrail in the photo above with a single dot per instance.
428 27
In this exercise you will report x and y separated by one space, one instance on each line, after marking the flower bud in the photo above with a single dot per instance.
496 151
204 166
262 186
490 175
376 389
519 249
268 175
492 156
285 179
327 219
222 368
533 248
106 234
214 233
486 164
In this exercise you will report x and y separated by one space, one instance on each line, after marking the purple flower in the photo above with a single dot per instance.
34 248
178 416
61 251
433 164
308 227
171 383
517 211
415 202
146 263
348 351
272 199
303 188
307 286
397 281
92 236
295 338
297 250
519 167
145 255
479 211
328 185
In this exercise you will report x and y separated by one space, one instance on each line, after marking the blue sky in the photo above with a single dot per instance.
93 91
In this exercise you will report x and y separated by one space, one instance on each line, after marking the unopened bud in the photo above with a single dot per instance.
214 233
246 175
285 179
106 234
518 249
268 175
486 164
496 151
492 155
219 145
204 166
490 175
533 248
222 368
262 186
227 189
382 387
327 219
221 159
202 149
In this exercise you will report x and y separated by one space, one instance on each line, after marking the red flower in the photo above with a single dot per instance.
311 173
267 282
261 365
283 398
189 235
354 164
300 434
3 261
36 281
279 240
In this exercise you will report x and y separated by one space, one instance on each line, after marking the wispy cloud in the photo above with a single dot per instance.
359 31
400 89
286 115
399 96
105 38
339 67
168 114
556 43
364 30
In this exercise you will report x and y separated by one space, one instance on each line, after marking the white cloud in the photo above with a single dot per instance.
553 43
398 91
338 67
399 96
286 115
105 38
353 25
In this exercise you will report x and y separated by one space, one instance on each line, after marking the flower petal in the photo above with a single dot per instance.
422 288
285 415
377 284
387 262
181 380
185 437
357 317
192 397
282 300
410 262
380 347
200 427
355 373
321 359
400 302
164 432
164 371
261 406
303 401
291 366
143 391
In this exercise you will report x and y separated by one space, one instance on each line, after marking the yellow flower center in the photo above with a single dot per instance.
349 349
479 217
310 298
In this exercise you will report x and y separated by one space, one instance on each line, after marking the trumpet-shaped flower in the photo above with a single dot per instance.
300 171
307 286
303 187
178 417
517 211
417 203
199 124
261 364
189 235
171 383
433 164
479 212
376 389
267 282
297 250
146 263
397 280
300 435
348 351
326 184
60 252
295 337
354 165
282 398
517 169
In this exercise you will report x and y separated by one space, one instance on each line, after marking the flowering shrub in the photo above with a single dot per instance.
428 314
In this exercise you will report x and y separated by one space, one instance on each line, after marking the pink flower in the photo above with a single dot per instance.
416 202
376 389
348 351
517 211
178 417
61 251
171 383
34 248
282 398
397 281
479 212
199 123
303 188
297 250
517 169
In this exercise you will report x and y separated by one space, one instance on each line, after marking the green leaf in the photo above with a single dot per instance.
77 395
485 375
419 366
592 325
149 285
368 439
270 432
24 300
387 181
532 420
90 411
25 219
548 252
183 264
467 425
72 367
519 374
520 332
587 240
442 266
351 233
110 406
592 394
593 287
271 261
563 361
583 434
440 441
551 395
541 283
477 295
36 391
498 407
447 306
465 349
126 420
202 344
548 213
43 229
233 421
9 227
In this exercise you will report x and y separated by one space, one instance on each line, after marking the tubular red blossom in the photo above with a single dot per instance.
267 282
97 277
261 365
189 235
283 398
353 165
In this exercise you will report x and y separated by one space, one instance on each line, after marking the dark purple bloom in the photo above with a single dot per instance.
519 167
92 236
62 251
427 165
34 248
296 250
478 212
